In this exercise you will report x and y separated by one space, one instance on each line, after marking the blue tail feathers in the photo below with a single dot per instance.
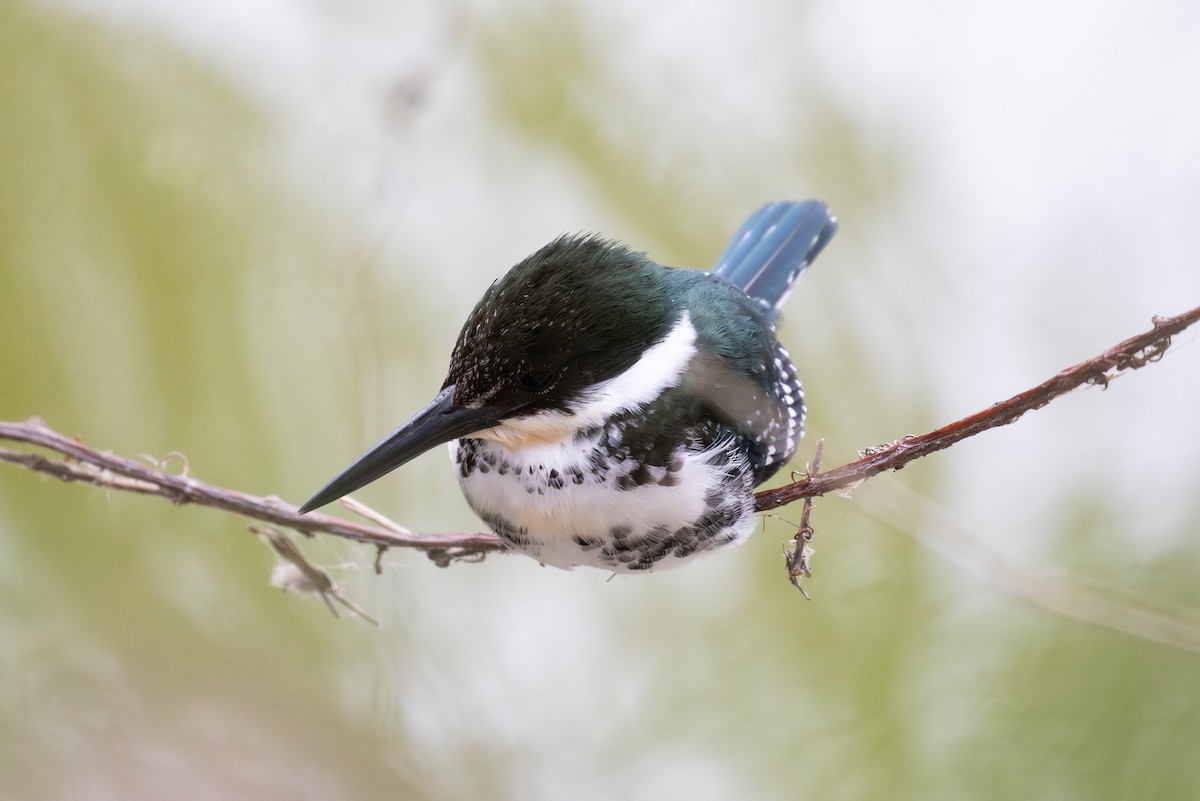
772 248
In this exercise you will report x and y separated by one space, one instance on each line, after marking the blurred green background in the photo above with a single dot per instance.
250 232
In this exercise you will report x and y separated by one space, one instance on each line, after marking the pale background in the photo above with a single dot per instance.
250 231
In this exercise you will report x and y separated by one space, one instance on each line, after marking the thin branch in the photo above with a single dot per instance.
87 465
1131 354
81 463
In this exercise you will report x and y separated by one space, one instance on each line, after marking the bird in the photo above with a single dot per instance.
604 410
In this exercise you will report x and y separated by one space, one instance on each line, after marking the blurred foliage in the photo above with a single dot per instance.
133 209
167 282
588 110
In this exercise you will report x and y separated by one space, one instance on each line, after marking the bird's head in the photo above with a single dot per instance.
574 331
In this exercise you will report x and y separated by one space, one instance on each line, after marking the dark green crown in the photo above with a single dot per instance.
579 311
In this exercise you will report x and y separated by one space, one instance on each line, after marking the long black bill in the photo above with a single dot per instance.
441 421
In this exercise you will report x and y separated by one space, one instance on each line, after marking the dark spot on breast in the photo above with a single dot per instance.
717 519
588 543
620 534
641 475
466 460
517 538
586 433
597 465
686 548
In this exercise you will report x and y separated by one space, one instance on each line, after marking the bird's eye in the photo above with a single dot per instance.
536 379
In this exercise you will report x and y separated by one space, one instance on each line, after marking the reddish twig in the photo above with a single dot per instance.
1131 354
90 466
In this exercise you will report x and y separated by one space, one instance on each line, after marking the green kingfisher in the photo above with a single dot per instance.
605 410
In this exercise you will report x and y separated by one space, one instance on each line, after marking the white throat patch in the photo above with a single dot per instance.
660 367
